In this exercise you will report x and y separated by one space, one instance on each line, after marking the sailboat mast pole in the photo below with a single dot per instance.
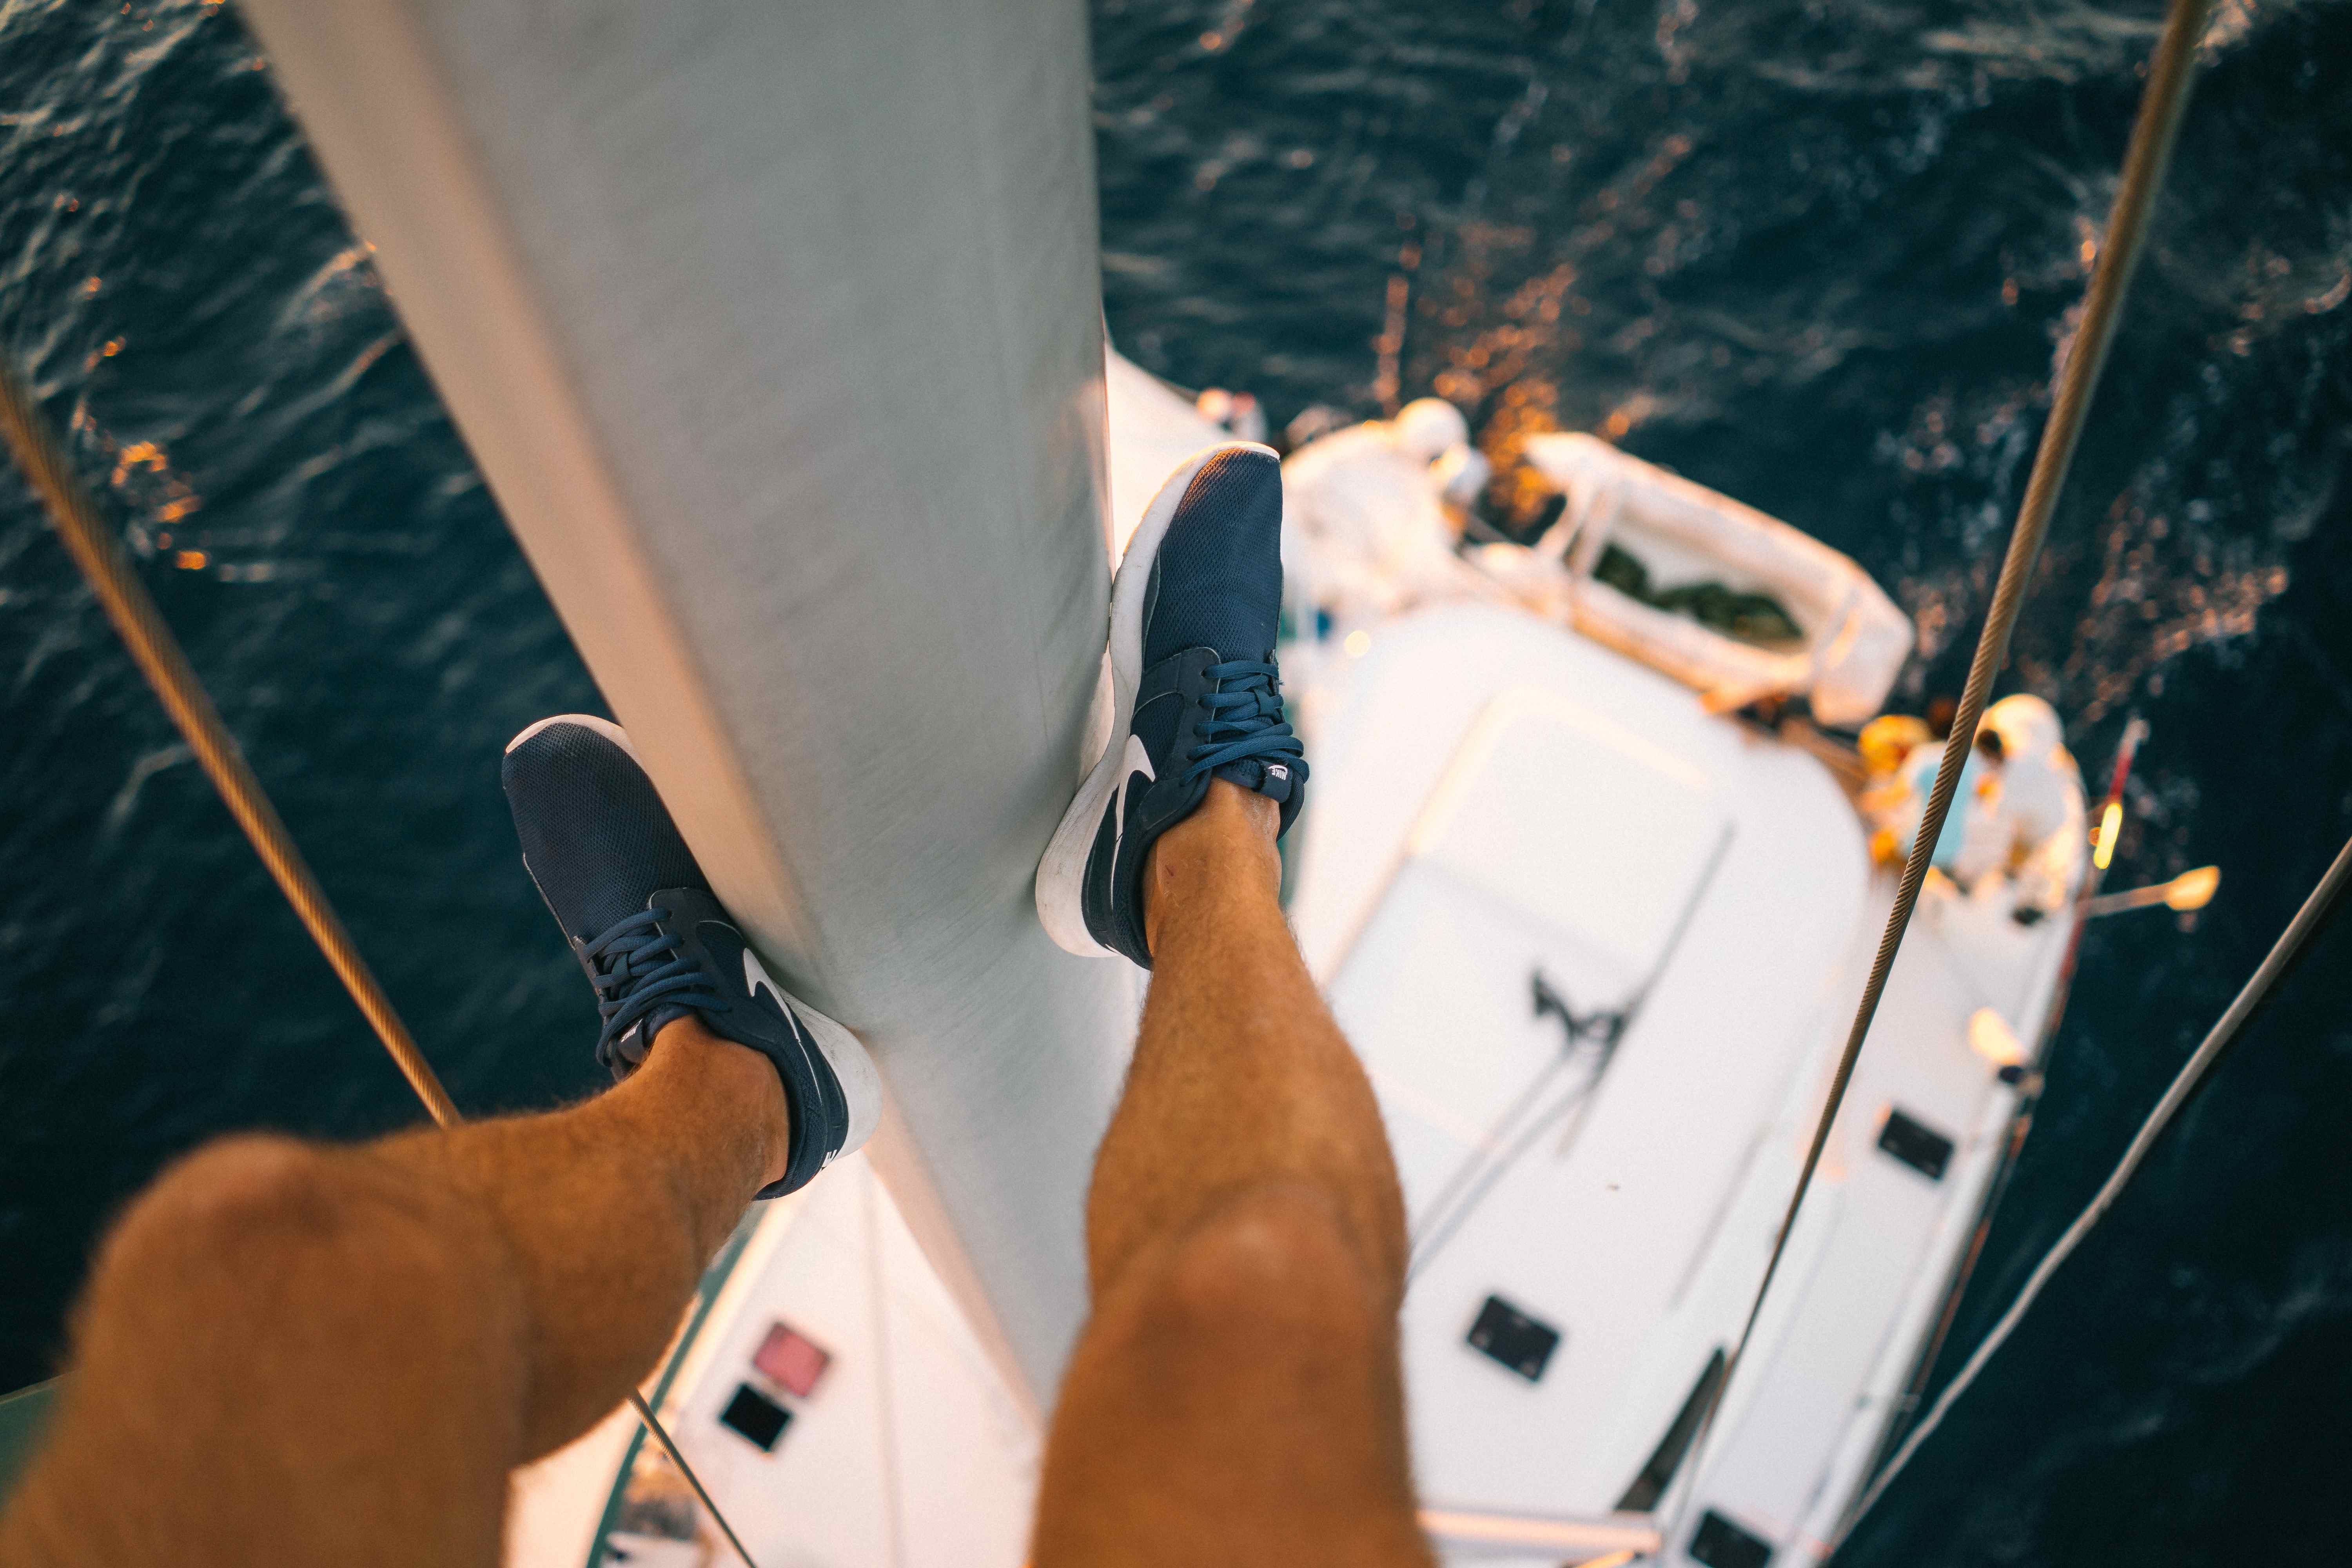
776 331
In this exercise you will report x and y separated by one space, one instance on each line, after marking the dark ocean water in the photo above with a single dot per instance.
1817 253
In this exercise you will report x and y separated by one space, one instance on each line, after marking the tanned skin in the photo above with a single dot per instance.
302 1354
1237 1398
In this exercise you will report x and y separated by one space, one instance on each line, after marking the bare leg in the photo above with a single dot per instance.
1237 1398
301 1355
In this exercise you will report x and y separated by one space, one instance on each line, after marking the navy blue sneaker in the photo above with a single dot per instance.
1193 615
656 945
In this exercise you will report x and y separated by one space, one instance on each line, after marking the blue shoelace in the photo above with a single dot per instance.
1245 722
638 968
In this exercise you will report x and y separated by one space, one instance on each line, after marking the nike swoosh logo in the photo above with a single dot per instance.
756 975
1135 760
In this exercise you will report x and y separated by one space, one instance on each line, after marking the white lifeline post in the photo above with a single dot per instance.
776 331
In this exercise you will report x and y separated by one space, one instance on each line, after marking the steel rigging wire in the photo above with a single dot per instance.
161 659
2155 130
2284 953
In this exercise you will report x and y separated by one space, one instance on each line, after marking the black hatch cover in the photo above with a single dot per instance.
1719 1543
1917 1144
1519 1341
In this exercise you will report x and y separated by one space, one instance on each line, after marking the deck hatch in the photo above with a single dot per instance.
1521 1342
1719 1543
756 1418
1915 1144
791 1359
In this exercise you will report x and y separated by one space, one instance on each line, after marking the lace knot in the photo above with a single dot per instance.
637 967
1245 723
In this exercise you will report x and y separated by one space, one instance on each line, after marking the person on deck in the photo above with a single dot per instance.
2042 799
2015 830
1902 755
297 1354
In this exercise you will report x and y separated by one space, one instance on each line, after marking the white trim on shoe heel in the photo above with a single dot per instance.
1062 871
603 727
861 1084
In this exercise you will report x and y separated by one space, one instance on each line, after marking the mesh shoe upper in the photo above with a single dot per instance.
647 931
1217 580
1209 702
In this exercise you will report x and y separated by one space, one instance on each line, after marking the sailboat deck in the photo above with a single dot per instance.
1519 833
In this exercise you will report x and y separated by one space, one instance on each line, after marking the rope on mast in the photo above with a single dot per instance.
2153 132
165 665
2225 1033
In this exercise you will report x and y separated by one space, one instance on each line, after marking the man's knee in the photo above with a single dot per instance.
250 1224
1276 1262
238 1188
242 1198
1239 1384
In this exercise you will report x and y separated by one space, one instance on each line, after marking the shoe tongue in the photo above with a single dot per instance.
1217 581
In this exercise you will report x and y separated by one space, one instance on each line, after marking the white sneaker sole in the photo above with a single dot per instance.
1062 873
861 1084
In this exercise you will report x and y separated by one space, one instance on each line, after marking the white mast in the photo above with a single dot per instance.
776 331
